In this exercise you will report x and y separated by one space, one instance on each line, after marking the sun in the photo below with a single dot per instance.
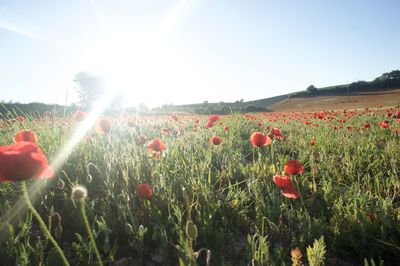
137 65
141 64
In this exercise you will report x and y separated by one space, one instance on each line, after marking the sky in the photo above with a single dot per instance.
191 51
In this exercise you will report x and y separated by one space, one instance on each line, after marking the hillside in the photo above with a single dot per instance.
335 102
383 90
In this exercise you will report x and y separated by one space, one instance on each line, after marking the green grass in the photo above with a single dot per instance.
350 193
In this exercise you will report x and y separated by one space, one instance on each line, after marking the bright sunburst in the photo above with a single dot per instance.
136 63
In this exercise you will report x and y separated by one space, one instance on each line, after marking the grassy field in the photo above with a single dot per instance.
196 202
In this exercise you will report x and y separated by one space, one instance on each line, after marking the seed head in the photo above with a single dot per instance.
79 193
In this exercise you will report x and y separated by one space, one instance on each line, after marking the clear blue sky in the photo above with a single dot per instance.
171 51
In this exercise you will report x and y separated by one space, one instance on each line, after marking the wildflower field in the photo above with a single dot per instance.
299 188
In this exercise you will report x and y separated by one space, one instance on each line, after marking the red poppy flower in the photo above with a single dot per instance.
145 191
209 124
226 128
293 167
215 140
313 142
282 181
366 125
213 118
23 160
285 184
25 135
291 193
276 132
385 124
20 118
321 115
156 145
258 139
103 126
79 115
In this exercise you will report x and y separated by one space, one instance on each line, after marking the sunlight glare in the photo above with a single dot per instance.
60 159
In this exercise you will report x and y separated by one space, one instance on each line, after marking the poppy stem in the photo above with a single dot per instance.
313 174
43 226
253 155
272 153
298 190
90 233
209 169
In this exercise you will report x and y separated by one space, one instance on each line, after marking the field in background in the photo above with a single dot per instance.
383 90
213 204
338 102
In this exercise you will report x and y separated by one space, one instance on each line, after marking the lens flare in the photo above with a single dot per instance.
79 134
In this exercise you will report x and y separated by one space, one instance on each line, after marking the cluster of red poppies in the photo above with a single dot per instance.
257 139
285 183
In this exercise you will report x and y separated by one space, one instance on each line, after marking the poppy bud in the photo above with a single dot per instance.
58 231
191 230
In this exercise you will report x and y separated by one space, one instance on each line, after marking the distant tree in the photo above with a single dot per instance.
393 75
386 80
224 110
142 108
241 100
358 85
89 88
311 89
